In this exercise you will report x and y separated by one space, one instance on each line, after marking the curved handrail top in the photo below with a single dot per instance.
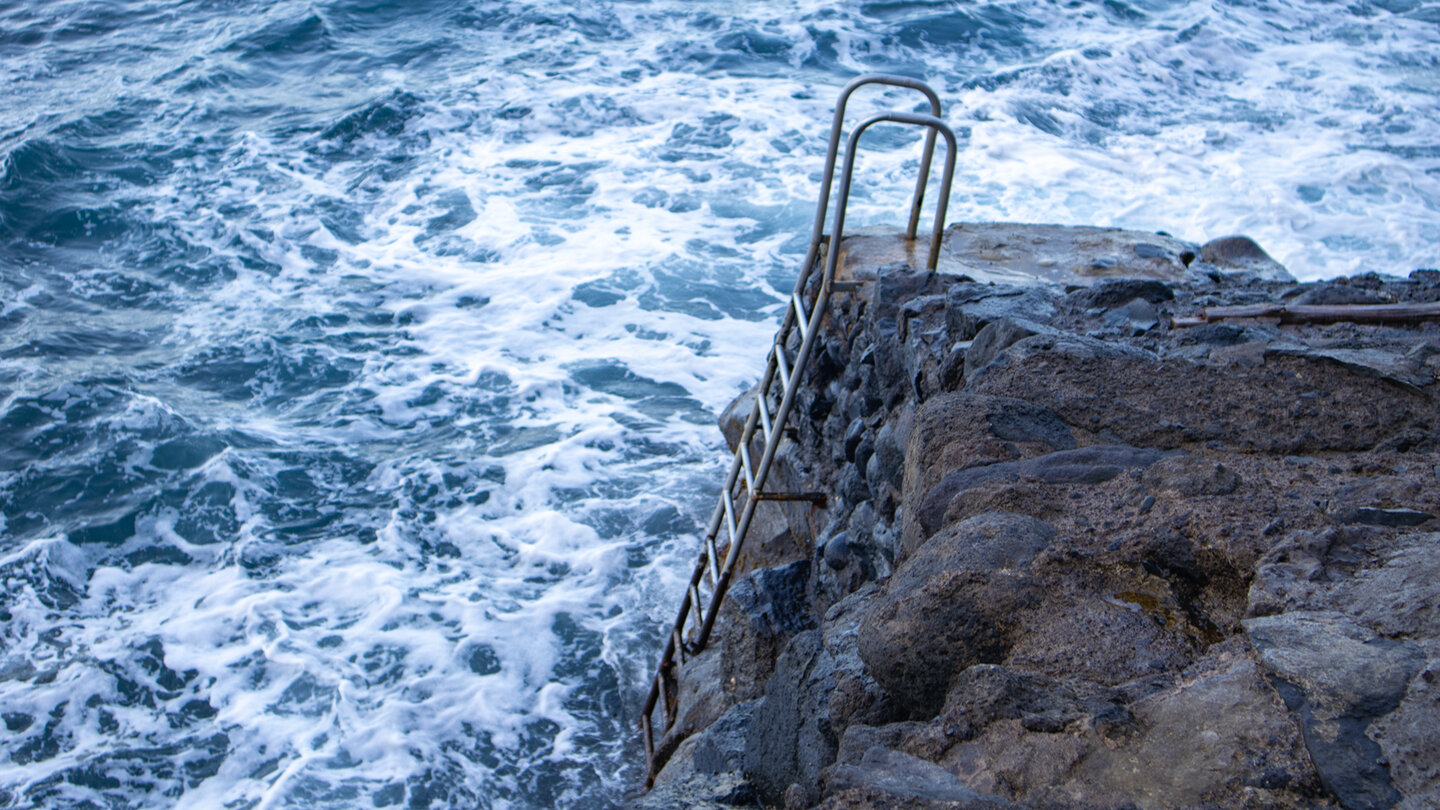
852 145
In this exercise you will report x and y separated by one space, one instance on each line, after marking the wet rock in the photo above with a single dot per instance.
1049 253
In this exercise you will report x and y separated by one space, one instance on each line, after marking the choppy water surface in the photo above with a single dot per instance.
359 360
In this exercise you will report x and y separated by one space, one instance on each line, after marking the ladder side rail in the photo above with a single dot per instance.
802 359
832 261
832 150
721 587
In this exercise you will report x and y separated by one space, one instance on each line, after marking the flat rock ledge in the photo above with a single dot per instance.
1075 556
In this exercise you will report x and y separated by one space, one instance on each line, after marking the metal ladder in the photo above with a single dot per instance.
745 485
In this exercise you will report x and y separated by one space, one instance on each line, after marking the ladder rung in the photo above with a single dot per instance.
714 564
696 609
800 316
729 514
666 714
783 366
763 404
679 644
749 472
817 498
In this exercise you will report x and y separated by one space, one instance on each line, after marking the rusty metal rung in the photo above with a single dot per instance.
818 498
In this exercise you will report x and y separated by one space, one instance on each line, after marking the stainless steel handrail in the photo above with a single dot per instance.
837 124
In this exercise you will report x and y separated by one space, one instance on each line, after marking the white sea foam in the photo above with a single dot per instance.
462 364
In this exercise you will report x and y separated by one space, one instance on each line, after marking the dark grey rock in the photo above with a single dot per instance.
952 604
904 778
852 487
958 430
995 337
1331 294
1111 292
980 305
889 457
863 452
790 739
720 748
706 771
1338 677
1387 363
837 551
853 434
1134 318
986 693
1375 516
761 612
1212 334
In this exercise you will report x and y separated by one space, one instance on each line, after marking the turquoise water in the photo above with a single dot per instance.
359 361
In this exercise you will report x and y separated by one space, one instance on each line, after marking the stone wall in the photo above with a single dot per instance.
1076 556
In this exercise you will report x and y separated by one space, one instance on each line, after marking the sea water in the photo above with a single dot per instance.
359 360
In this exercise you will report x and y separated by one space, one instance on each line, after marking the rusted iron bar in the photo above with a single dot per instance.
817 498
1319 313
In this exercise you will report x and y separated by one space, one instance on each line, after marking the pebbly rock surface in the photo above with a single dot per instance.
1075 555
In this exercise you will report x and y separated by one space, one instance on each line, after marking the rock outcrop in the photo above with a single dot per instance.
1077 556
